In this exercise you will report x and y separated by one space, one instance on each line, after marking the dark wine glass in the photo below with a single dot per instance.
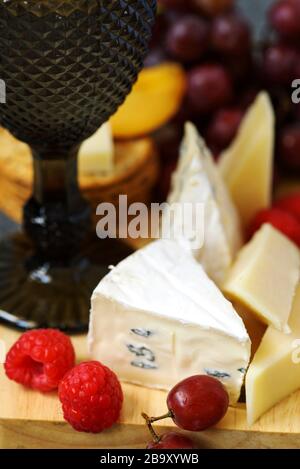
67 66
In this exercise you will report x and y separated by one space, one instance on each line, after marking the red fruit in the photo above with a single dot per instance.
289 146
284 17
187 38
209 87
224 126
290 204
279 64
91 397
282 221
198 402
39 359
231 34
172 440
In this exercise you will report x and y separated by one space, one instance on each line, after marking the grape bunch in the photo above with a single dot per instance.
195 404
281 65
225 70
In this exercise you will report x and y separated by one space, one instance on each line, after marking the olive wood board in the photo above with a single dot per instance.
29 419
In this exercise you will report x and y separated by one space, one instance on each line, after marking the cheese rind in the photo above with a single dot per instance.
197 181
265 276
247 165
275 370
157 318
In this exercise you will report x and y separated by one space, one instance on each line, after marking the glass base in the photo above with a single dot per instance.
36 294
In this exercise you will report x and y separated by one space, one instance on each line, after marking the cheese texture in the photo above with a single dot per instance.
265 276
96 154
275 370
247 165
197 181
157 318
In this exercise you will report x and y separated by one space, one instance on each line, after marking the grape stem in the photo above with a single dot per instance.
150 420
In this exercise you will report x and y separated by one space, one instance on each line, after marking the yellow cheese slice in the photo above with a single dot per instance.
265 275
96 154
275 370
247 165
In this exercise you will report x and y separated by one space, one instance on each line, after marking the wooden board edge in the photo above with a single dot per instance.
16 434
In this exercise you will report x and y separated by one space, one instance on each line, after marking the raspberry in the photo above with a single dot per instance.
40 358
290 204
91 397
283 221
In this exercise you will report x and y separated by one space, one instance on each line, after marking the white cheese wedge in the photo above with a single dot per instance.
96 154
265 276
247 165
197 181
157 318
275 370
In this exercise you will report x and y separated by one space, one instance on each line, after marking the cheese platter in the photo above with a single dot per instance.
190 337
32 420
183 325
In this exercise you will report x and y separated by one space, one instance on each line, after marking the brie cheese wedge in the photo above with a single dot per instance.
197 181
157 318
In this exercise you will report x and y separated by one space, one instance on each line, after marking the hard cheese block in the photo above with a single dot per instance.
157 318
96 154
265 275
197 181
247 165
275 370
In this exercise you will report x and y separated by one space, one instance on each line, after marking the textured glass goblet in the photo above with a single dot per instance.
67 66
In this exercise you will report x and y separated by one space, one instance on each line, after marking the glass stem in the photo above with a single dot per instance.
56 218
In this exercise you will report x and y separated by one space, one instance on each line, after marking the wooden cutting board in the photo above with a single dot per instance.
29 419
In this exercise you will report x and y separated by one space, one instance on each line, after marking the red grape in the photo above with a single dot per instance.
223 127
231 34
289 146
290 204
172 440
285 18
279 64
187 38
198 402
209 87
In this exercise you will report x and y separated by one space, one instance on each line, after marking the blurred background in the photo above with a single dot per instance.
228 51
207 62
